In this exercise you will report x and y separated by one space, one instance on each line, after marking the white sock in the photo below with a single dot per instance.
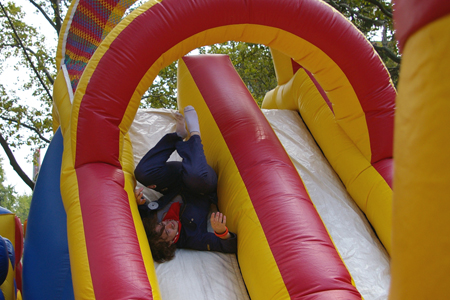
180 126
190 115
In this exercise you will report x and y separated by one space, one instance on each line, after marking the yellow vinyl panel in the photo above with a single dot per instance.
8 289
259 269
421 232
61 103
8 230
283 66
127 163
366 186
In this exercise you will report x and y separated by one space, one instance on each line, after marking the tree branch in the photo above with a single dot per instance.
27 126
14 164
58 20
47 73
333 4
388 52
25 51
360 16
45 15
383 9
8 45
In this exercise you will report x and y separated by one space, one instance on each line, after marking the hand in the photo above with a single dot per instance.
218 222
139 196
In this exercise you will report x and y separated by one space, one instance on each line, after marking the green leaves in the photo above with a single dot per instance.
163 92
9 199
374 19
25 101
253 62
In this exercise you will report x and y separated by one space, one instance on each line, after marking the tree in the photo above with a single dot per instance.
20 205
7 193
374 18
253 62
28 121
25 121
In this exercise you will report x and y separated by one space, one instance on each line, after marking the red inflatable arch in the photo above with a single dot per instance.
114 261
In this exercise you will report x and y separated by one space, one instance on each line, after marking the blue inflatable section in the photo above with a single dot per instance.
46 264
4 260
11 252
4 211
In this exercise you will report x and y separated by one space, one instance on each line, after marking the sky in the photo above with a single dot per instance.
9 78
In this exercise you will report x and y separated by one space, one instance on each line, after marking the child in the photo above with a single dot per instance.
179 218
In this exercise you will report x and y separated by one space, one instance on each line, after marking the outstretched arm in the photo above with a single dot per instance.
139 194
218 224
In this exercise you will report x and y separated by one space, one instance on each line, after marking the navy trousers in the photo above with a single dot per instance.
192 174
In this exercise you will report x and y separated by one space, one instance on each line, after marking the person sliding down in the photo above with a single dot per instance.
179 218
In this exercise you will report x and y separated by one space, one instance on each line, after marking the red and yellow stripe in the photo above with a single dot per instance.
284 249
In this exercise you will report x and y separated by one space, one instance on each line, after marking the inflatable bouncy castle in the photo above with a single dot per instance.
306 230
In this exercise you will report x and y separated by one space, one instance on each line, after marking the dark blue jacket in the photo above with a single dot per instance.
194 234
194 180
194 225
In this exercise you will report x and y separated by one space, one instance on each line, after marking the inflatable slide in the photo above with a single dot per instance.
209 275
287 248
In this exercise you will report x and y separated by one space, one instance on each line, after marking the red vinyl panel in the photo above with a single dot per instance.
114 255
169 22
301 246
